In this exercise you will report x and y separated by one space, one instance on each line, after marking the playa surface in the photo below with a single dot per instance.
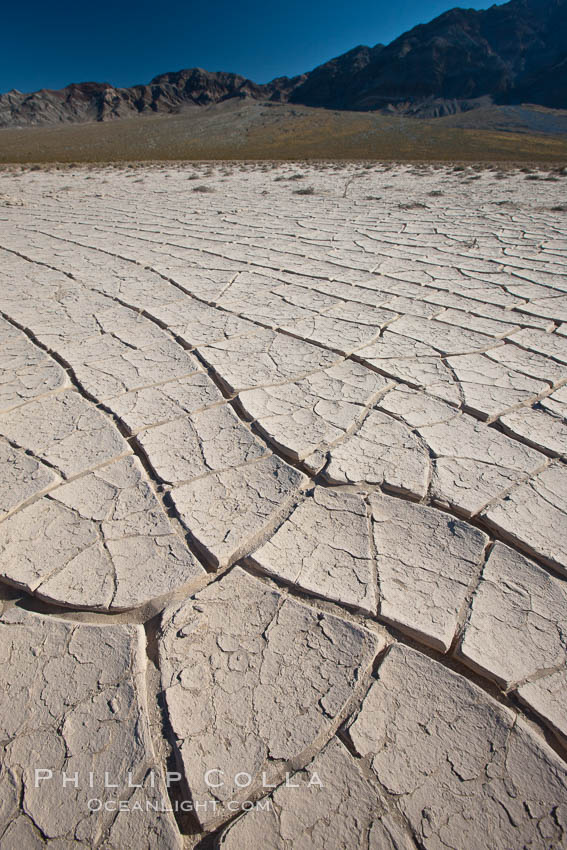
283 507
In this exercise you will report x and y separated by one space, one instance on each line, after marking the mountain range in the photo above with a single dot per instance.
509 54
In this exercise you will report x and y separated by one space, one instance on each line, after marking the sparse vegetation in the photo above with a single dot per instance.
315 134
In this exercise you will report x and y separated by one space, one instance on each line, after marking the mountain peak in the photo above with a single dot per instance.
511 53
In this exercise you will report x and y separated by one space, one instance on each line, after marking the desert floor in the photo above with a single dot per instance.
252 130
283 507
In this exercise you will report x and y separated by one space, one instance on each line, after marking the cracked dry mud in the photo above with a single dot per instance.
283 509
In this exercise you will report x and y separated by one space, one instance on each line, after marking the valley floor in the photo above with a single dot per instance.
254 130
283 507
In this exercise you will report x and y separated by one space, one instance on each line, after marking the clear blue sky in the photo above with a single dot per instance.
50 44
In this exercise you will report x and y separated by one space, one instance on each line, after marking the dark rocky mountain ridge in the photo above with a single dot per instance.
166 93
514 52
507 54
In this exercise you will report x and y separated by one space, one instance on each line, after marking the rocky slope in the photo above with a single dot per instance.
515 52
512 53
165 94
